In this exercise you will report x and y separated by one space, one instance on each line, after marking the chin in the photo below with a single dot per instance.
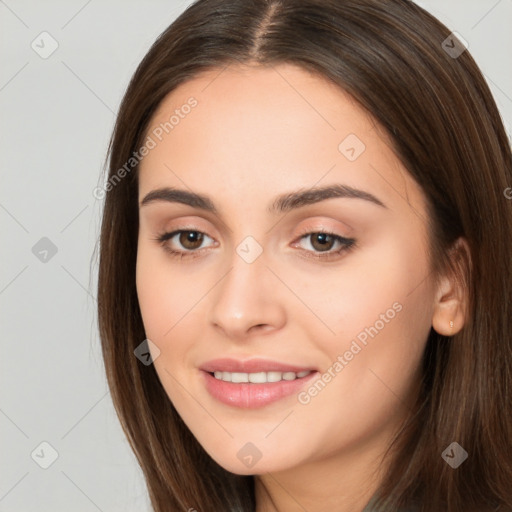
251 459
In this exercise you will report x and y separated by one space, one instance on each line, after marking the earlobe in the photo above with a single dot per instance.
451 298
448 318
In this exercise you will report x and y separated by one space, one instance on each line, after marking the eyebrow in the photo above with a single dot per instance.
283 203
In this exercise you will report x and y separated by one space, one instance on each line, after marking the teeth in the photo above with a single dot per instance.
239 377
274 376
259 377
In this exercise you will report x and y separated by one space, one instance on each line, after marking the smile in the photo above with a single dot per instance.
255 383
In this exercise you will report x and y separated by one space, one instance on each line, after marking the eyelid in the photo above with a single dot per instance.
321 229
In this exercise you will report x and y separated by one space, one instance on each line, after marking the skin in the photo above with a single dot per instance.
257 133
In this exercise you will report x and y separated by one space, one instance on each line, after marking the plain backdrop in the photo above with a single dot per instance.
56 116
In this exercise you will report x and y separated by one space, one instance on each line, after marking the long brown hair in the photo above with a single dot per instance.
445 127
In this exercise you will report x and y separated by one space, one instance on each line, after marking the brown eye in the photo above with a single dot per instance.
183 242
191 240
322 241
324 245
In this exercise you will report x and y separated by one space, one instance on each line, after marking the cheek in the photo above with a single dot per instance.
369 287
158 292
171 299
379 309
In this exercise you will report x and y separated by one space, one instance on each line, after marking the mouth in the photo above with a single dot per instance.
255 383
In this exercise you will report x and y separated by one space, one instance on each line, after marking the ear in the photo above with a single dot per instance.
451 298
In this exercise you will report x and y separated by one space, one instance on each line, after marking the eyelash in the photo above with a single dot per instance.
347 244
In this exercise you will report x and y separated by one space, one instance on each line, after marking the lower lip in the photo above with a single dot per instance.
251 396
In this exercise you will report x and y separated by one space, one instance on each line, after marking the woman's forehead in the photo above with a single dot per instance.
274 129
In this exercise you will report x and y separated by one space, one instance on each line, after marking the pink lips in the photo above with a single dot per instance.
250 395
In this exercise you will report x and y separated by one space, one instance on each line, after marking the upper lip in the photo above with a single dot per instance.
251 366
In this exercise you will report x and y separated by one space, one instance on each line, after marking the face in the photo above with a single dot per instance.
287 324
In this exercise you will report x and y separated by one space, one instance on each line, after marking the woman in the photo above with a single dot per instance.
305 277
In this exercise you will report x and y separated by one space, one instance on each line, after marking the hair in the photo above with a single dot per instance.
445 128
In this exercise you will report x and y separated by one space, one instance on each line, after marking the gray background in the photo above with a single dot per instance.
57 114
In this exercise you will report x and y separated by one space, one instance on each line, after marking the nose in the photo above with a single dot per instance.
245 301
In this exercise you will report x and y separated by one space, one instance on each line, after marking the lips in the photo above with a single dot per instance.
254 383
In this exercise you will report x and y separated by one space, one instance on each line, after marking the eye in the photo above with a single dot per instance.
190 239
322 242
